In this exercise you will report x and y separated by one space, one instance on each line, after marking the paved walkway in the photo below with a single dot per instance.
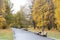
20 34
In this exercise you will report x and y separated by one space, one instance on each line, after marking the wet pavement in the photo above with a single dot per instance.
20 34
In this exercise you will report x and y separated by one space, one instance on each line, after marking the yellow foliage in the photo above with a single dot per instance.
2 22
57 10
2 19
37 13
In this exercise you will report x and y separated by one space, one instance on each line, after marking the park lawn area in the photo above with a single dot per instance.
52 33
6 34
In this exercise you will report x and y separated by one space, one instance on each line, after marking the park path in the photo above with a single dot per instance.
20 34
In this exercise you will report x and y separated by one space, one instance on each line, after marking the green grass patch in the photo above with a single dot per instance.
54 34
6 34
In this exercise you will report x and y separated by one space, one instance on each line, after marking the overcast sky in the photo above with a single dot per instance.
17 4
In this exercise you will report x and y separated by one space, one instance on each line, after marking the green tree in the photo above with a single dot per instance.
20 19
8 12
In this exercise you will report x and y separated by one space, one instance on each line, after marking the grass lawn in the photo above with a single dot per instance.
52 33
6 34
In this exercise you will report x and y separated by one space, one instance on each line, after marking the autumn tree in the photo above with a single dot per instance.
8 12
51 15
2 19
57 13
31 20
41 9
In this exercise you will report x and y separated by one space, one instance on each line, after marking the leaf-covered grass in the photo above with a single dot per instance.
6 34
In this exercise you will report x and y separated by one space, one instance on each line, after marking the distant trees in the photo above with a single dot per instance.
20 20
19 17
